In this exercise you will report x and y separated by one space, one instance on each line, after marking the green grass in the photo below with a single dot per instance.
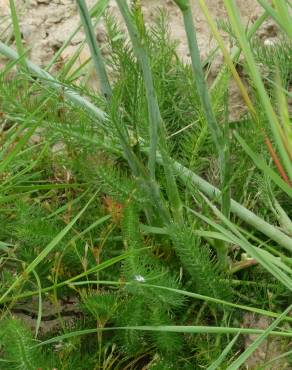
159 219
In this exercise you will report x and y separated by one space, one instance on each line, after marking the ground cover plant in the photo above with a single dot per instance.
139 224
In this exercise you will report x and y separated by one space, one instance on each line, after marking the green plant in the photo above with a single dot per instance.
117 221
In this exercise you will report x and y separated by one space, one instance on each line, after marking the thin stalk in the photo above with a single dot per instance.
17 33
156 127
228 57
200 79
94 49
217 135
153 109
72 283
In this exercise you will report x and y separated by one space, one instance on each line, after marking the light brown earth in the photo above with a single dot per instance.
46 24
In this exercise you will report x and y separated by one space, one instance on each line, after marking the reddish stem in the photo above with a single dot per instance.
277 161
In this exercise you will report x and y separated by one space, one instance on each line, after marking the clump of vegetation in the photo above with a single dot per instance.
142 213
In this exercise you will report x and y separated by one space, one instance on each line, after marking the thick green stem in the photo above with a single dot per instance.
191 179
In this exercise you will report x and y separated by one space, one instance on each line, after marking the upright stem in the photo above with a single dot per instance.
217 135
94 49
157 132
153 109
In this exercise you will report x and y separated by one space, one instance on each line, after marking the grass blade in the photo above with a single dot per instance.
17 33
215 365
167 328
202 89
155 121
248 352
40 305
200 297
281 17
94 49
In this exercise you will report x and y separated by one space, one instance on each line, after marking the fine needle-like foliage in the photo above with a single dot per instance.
140 226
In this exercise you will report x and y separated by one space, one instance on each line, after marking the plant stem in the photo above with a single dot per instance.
217 135
157 132
94 49
153 109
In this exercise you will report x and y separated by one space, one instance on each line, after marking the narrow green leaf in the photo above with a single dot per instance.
202 89
168 328
17 33
192 180
248 352
283 21
94 49
215 365
201 297
155 120
40 305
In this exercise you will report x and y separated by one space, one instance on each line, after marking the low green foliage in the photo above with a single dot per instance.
109 246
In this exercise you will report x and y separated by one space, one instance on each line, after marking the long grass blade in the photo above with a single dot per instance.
40 304
45 76
17 33
215 365
155 120
73 282
280 14
248 352
262 165
216 133
94 49
167 328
